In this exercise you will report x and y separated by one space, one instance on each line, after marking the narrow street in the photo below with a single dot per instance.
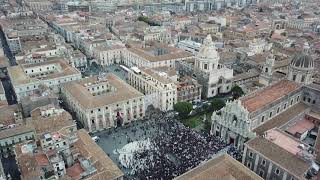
10 95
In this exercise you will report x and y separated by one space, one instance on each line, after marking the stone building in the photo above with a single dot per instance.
277 156
214 77
103 101
240 120
157 83
27 78
236 121
188 89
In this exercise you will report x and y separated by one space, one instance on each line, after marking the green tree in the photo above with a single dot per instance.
207 125
237 92
217 104
183 108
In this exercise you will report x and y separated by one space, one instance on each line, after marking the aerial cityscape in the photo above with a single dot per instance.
159 89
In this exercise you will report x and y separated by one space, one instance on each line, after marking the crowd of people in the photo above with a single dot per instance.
174 150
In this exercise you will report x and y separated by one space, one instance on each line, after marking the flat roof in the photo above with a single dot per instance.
282 118
269 94
283 140
10 132
18 76
301 126
80 92
162 74
173 53
283 158
220 168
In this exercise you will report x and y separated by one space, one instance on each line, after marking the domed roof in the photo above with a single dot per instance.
208 51
302 60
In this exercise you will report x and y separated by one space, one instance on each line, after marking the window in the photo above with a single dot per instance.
262 119
263 162
278 110
251 154
285 106
249 165
205 66
277 171
270 115
294 77
261 173
298 98
291 102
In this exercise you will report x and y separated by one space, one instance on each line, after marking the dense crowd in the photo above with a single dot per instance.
174 150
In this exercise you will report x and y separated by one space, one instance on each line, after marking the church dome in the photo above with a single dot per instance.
302 61
208 51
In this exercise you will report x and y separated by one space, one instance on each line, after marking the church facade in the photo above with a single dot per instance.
214 77
238 121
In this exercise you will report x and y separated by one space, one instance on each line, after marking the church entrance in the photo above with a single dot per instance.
219 90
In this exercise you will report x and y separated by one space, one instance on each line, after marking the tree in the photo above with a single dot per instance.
217 104
183 108
237 92
207 125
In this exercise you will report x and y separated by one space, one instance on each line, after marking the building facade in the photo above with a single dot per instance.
156 83
103 102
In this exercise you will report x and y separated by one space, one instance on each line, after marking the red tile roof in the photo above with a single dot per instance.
75 171
261 98
42 159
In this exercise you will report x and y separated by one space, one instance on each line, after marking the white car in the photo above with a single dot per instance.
95 138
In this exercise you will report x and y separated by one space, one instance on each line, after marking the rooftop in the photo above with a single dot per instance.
269 94
19 76
223 167
7 114
106 169
172 53
79 91
283 158
282 118
283 140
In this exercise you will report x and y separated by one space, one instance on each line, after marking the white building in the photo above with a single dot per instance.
109 53
157 84
189 46
219 77
103 102
26 78
156 33
154 56
258 46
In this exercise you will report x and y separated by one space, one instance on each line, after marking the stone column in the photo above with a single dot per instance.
104 121
285 174
256 163
96 121
89 122
244 154
269 170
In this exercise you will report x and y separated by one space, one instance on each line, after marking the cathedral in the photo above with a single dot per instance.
268 107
